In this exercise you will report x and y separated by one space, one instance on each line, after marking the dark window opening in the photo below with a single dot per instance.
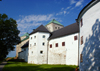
75 37
50 45
81 22
43 43
81 40
41 52
63 43
56 44
81 58
43 36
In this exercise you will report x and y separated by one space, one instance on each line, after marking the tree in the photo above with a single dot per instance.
8 35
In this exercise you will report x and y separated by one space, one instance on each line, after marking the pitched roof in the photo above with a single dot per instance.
54 21
41 28
71 29
25 45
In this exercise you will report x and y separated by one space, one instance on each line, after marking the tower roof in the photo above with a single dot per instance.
41 28
54 21
26 34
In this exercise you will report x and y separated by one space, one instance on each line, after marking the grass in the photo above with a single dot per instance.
0 62
23 66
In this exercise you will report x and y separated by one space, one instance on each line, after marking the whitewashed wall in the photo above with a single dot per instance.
90 49
23 54
67 54
36 57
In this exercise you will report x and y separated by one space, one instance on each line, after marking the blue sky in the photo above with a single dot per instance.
29 14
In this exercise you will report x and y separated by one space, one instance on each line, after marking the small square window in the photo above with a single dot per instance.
56 45
81 58
55 27
81 40
43 43
32 52
41 52
75 37
34 36
34 44
63 43
43 36
58 27
50 45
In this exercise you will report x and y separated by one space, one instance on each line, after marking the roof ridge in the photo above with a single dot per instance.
54 21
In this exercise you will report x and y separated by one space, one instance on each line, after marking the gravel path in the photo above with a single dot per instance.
2 65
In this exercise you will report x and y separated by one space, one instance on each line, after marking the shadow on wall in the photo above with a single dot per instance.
91 50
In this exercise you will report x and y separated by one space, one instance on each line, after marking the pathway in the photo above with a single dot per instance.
2 65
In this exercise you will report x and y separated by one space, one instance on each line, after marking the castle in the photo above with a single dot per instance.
51 44
76 44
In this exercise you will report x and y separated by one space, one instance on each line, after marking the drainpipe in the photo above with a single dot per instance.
47 50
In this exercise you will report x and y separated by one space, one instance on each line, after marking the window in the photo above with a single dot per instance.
32 52
56 45
41 52
31 37
50 45
58 27
81 58
75 37
55 27
43 36
34 44
34 36
81 40
43 43
63 43
30 45
81 23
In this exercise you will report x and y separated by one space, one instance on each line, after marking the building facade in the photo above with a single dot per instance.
89 43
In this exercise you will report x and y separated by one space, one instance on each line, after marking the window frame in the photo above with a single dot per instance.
63 43
81 40
41 52
75 37
43 36
50 45
56 45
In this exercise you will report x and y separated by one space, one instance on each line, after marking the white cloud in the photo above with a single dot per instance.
72 1
68 7
62 8
60 13
27 23
79 3
64 12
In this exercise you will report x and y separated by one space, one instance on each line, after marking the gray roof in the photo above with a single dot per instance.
41 28
68 30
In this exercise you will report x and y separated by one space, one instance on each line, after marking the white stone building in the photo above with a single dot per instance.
59 46
89 37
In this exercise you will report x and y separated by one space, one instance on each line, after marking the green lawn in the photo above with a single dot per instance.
22 66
